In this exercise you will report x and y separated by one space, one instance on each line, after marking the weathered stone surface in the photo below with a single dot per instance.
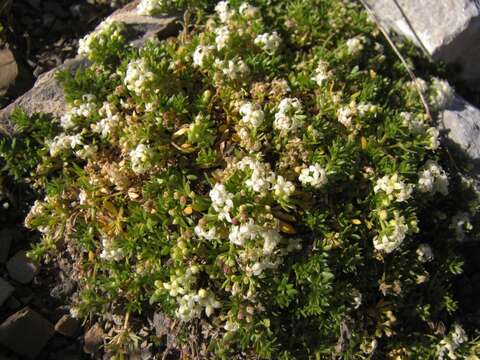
5 290
6 237
462 121
67 326
26 333
449 30
93 339
21 268
8 70
47 97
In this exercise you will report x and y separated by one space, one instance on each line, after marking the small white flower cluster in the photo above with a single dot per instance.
461 225
234 69
394 188
200 231
222 37
345 115
261 174
289 117
283 188
416 126
108 31
152 7
433 179
392 235
141 158
223 11
110 121
85 108
449 345
322 73
110 250
252 115
355 45
314 176
425 253
222 201
62 142
442 95
138 76
269 42
202 54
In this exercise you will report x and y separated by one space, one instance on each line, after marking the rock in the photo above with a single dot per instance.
6 237
462 121
5 290
47 97
8 70
26 333
21 268
93 339
67 326
448 30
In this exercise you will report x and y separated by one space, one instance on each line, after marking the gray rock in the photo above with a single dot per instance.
462 121
6 237
47 96
26 333
93 339
448 30
67 326
8 70
21 268
5 290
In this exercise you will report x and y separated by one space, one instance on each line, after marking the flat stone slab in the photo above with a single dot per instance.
5 290
21 268
26 333
449 30
8 70
67 326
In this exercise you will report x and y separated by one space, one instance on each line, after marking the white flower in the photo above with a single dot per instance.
252 114
234 69
110 250
289 116
283 188
434 138
344 116
140 158
314 175
355 45
461 224
425 253
222 201
239 234
109 30
442 95
432 179
138 76
271 239
222 36
152 7
87 151
420 84
223 11
201 54
248 10
394 188
391 238
82 197
211 234
268 41
449 345
414 124
261 178
321 73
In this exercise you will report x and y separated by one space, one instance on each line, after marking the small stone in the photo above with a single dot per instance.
93 339
5 290
6 237
21 268
67 326
26 333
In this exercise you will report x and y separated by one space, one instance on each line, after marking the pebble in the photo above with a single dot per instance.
26 333
21 268
93 339
67 326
